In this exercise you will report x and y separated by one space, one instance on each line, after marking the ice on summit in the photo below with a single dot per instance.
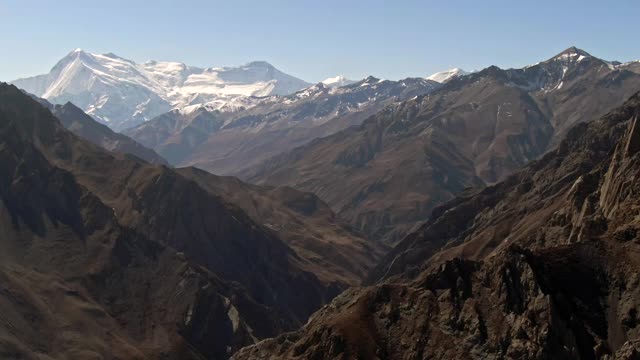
123 93
444 76
337 81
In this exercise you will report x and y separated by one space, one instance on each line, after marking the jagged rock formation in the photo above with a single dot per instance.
386 175
543 265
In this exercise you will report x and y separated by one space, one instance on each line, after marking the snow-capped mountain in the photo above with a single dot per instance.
444 76
122 93
337 81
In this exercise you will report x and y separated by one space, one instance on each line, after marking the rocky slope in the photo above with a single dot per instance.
389 173
104 254
122 93
229 142
543 265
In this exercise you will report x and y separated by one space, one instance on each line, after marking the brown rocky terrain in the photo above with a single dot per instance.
106 255
543 265
386 175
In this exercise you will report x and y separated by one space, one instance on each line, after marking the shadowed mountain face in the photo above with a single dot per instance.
387 175
84 126
228 142
104 254
543 265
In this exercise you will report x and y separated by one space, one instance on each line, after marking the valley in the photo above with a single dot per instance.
158 210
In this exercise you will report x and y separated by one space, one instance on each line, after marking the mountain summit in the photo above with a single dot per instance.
573 51
337 81
444 76
122 93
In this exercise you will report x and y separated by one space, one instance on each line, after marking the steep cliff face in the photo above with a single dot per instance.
543 265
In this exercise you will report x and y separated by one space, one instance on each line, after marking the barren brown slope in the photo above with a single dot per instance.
326 245
78 284
541 266
387 175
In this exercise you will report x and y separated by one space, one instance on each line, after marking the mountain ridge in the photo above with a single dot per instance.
471 130
225 143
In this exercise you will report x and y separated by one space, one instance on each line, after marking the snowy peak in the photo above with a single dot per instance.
368 81
337 81
444 76
122 93
572 54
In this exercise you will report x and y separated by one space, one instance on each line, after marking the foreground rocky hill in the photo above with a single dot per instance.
543 265
386 175
106 255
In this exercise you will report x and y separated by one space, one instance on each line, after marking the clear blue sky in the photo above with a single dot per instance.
317 39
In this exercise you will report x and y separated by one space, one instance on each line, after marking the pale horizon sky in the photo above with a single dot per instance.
319 39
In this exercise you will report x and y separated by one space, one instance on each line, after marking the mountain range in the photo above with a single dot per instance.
245 214
384 153
122 93
227 143
386 175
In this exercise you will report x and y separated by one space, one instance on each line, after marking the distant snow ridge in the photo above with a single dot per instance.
337 81
122 94
444 76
